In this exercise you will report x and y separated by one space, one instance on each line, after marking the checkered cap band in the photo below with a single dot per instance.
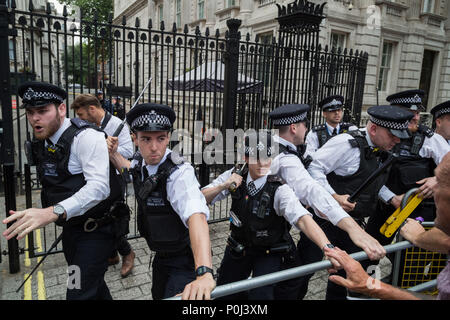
390 124
151 118
31 95
332 104
289 120
252 151
409 100
441 112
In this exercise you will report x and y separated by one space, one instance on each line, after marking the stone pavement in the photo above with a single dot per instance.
50 283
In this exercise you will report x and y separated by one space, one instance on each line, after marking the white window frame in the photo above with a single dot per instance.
339 34
428 6
178 13
201 9
384 69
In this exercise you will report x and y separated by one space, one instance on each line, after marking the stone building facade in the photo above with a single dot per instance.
408 41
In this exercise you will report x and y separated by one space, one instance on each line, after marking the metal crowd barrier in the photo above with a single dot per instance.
271 278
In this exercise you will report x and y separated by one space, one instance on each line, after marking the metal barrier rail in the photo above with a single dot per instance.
274 277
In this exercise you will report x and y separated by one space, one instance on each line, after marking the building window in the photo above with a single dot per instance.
264 62
201 9
428 6
231 3
178 13
338 40
11 49
161 13
385 65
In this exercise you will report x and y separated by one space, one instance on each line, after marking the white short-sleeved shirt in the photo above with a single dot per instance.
312 140
89 156
125 147
183 189
285 202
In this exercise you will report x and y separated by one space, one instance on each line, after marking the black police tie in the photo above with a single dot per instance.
334 132
252 189
144 173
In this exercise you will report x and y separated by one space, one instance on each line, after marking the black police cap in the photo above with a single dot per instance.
393 118
332 103
411 99
441 109
37 94
151 117
288 114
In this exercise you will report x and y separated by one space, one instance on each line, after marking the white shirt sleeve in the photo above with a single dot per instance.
312 143
218 181
88 155
183 193
435 147
307 190
337 156
286 204
385 194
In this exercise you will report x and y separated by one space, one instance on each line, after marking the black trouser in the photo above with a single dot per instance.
426 210
171 273
87 255
236 267
122 246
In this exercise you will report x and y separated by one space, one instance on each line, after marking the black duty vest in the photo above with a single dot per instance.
366 202
261 226
58 183
410 167
323 135
157 220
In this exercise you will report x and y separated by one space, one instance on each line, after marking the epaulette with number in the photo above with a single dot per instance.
275 178
319 127
427 131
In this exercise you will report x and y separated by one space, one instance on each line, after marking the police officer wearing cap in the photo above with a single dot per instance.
332 112
418 156
441 119
290 120
88 107
106 104
172 211
119 108
73 167
345 162
263 209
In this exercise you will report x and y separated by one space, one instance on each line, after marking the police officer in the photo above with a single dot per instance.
346 161
88 107
172 212
332 112
119 108
73 168
418 156
290 120
106 104
262 209
441 119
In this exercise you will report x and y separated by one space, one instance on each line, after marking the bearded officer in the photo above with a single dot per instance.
172 211
73 168
332 112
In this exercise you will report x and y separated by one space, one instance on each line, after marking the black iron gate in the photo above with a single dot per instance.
211 80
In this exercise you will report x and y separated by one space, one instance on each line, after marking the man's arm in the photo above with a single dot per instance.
433 239
221 185
359 281
200 288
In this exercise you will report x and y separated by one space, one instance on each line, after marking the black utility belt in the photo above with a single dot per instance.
283 247
171 254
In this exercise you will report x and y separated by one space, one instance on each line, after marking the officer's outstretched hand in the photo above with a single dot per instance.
27 221
199 289
113 143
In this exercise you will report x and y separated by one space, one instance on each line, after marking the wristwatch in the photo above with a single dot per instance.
202 270
59 211
328 245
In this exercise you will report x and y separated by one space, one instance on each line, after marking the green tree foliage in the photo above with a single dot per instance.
88 7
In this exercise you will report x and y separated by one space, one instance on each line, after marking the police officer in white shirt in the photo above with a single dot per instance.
73 167
88 107
332 112
441 119
262 211
290 121
172 211
345 162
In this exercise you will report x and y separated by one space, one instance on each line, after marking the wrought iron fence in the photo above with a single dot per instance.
211 80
